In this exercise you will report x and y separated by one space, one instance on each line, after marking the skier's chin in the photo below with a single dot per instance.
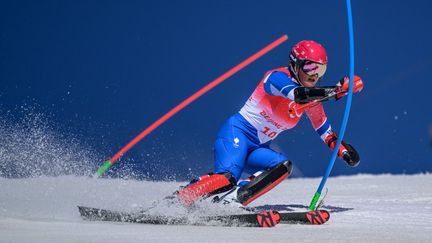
309 83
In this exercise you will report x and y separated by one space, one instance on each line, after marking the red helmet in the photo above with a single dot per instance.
308 51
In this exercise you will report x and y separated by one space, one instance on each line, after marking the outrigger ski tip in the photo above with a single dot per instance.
257 219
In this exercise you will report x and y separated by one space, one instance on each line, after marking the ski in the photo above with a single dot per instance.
259 219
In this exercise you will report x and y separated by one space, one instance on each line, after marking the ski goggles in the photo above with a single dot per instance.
312 68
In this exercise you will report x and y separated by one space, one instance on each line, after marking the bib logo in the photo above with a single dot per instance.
292 109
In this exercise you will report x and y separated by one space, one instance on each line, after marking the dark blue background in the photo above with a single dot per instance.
108 69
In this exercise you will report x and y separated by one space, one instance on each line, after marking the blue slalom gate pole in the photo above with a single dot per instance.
317 195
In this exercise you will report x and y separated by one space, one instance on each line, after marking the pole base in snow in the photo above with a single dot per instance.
103 168
314 201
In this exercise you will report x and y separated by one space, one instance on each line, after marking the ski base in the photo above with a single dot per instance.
260 219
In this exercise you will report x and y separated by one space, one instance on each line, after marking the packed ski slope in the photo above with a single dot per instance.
389 208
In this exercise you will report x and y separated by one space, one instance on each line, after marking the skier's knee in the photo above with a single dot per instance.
206 185
280 158
288 165
263 182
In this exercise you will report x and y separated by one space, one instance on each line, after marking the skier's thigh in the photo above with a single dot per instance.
263 158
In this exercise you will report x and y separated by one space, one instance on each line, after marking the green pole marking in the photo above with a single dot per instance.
103 168
314 201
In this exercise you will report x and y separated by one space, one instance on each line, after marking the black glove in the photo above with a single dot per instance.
350 155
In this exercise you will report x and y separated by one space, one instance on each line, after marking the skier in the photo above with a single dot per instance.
276 105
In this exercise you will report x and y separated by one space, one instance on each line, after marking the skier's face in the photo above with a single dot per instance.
308 80
310 72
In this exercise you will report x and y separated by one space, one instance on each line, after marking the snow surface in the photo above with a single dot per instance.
384 208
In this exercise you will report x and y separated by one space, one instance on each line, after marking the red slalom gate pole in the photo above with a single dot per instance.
187 101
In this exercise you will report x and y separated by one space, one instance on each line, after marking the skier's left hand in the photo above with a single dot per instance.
343 84
349 154
346 151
